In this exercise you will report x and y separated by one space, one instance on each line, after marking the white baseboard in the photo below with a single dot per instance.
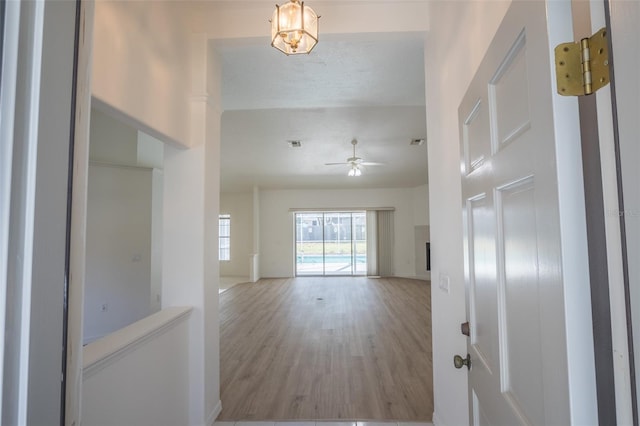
436 421
213 415
413 277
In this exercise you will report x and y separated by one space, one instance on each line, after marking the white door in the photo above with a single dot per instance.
522 260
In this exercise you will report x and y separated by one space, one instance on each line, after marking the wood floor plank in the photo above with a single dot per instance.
326 348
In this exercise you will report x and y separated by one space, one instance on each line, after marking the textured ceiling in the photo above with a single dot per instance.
369 88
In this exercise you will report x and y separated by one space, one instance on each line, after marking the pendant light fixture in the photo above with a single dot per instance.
294 28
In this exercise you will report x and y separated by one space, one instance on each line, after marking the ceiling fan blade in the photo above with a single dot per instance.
354 161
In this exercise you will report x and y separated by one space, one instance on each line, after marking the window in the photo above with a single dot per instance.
224 230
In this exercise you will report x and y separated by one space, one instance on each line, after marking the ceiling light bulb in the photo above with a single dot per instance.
354 171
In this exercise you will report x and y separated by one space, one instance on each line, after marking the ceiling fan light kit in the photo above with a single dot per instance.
354 171
294 28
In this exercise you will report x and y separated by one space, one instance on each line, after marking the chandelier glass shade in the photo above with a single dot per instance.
294 28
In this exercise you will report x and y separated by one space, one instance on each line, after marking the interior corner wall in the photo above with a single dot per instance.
141 65
111 141
240 207
421 230
277 228
455 46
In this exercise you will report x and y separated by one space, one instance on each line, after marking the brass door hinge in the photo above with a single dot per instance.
583 67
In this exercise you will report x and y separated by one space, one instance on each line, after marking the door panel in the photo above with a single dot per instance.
475 136
508 97
513 267
482 282
338 256
518 292
479 417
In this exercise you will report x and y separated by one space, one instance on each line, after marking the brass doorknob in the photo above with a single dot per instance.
459 362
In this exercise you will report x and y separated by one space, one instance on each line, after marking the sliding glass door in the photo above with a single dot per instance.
331 243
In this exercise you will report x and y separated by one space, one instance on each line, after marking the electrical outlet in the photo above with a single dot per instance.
104 307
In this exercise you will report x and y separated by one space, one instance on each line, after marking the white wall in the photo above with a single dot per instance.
240 207
338 18
277 230
111 141
421 205
124 224
118 259
452 53
153 72
126 380
141 65
157 196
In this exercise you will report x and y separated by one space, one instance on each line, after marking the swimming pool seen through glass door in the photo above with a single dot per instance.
331 243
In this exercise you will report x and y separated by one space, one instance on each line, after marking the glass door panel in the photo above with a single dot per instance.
338 258
309 244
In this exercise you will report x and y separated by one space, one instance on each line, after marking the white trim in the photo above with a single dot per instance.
101 105
9 64
575 271
31 148
106 351
436 420
208 100
213 415
77 247
120 166
613 235
410 277
338 209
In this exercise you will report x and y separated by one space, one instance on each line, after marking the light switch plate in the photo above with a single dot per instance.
444 283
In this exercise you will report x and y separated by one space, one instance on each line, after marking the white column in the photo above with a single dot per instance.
191 208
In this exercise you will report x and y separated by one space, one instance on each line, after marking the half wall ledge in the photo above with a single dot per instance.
107 350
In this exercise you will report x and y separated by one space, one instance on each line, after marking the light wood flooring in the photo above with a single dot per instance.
325 348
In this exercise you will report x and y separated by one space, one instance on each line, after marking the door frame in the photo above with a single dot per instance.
353 243
626 397
42 136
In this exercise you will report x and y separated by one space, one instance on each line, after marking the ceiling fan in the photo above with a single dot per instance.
355 162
